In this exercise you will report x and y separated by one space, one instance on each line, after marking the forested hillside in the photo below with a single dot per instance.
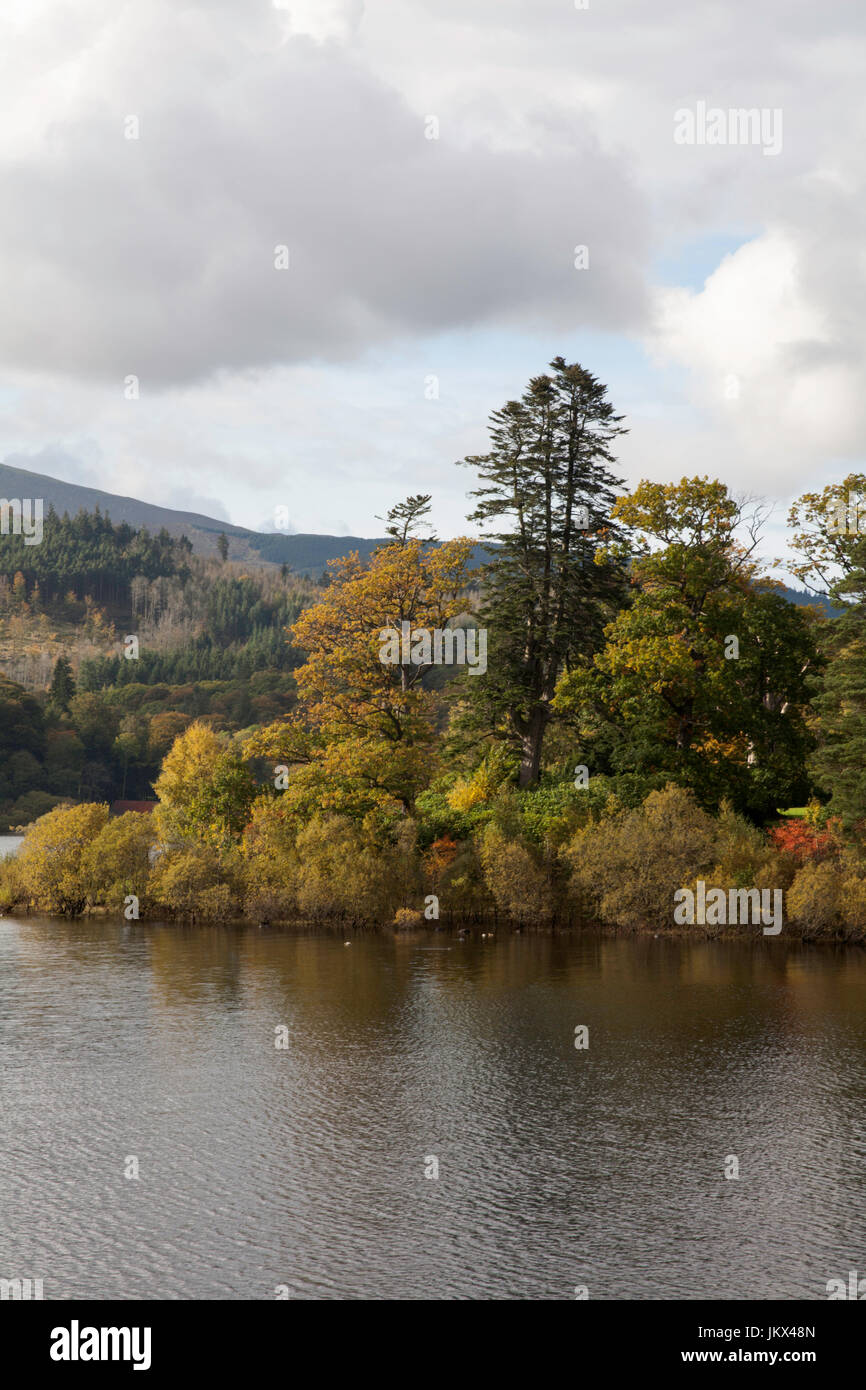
88 713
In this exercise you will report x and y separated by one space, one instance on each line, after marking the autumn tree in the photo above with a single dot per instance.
364 734
54 860
117 862
703 677
205 789
830 539
548 492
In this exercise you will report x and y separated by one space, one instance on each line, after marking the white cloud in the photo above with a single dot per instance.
303 123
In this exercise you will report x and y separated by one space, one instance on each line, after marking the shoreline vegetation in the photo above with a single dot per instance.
554 860
595 728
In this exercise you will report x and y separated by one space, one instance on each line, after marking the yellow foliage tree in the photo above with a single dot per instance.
204 789
53 861
365 734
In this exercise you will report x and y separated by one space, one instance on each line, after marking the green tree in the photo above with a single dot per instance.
62 687
839 762
703 678
549 590
223 546
831 539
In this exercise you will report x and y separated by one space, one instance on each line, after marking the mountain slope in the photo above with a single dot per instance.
305 554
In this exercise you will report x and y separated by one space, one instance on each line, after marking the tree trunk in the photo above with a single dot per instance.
531 744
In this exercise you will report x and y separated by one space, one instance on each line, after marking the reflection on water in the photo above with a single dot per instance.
305 1166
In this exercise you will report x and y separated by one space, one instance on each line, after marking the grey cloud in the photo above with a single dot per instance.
156 256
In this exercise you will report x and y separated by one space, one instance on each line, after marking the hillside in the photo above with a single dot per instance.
305 554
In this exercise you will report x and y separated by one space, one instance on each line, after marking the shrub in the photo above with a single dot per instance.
626 868
12 889
744 857
462 890
53 860
813 900
342 874
495 771
196 882
520 886
828 899
408 917
117 862
271 865
804 842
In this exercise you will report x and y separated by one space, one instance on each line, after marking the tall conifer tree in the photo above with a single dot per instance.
547 487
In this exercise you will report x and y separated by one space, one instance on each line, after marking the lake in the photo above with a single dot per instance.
306 1166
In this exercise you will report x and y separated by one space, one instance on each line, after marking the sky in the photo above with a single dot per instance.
260 256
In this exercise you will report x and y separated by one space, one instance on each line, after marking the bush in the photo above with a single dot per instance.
813 900
744 856
12 889
520 886
805 842
53 860
344 873
117 863
271 864
406 917
828 900
196 882
626 868
461 888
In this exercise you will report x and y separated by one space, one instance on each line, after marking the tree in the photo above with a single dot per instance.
131 744
53 859
365 733
117 862
404 519
839 762
549 590
223 546
62 687
205 789
703 678
831 541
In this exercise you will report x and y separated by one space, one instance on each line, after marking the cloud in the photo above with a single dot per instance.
774 358
303 123
155 256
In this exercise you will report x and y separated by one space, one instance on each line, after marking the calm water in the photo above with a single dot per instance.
306 1166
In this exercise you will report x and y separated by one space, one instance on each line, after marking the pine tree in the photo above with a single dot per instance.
223 546
546 600
839 763
404 519
62 687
